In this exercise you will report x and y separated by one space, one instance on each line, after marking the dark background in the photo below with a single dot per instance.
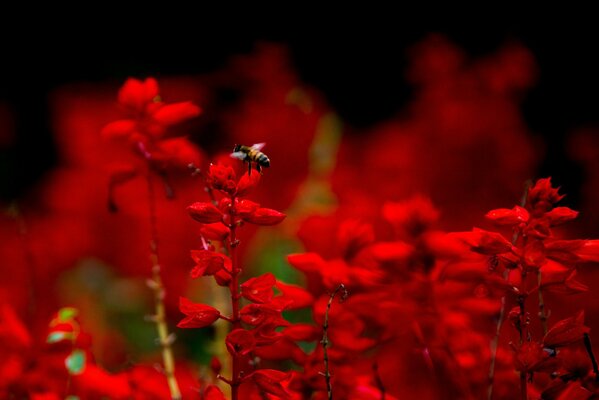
358 65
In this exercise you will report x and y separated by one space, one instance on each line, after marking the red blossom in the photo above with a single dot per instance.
247 183
566 331
531 357
259 289
261 314
485 242
207 262
240 342
205 213
222 177
197 315
542 196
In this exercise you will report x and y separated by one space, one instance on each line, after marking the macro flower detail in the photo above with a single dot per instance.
205 213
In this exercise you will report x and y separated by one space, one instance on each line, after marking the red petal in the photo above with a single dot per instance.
118 129
295 296
270 381
245 208
216 231
205 213
207 262
240 342
197 315
212 392
303 332
391 252
504 216
247 182
307 262
259 289
485 242
566 331
560 215
265 216
175 113
136 94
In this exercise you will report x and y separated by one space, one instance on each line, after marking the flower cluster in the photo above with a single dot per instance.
255 327
530 265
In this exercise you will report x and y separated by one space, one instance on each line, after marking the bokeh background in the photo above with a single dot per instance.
354 113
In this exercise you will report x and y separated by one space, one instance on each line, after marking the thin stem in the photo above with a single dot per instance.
506 275
589 348
377 380
523 386
543 315
325 338
235 296
157 287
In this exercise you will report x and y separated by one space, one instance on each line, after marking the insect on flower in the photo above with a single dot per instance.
251 154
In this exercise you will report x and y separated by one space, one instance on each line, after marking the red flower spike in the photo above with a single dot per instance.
259 289
265 216
212 392
270 381
560 215
197 315
295 296
240 342
205 213
566 331
504 216
172 114
135 94
247 183
207 263
215 231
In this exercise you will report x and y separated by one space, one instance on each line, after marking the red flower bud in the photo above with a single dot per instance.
240 342
295 296
265 216
197 315
205 213
215 365
245 208
171 114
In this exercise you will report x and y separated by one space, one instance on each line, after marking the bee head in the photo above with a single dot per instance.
237 148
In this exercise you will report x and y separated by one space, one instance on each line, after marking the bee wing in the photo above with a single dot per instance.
258 146
240 155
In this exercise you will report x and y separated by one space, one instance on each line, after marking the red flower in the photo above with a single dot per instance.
197 315
149 117
295 296
259 289
222 177
542 196
566 331
262 314
265 216
215 231
207 262
240 342
560 215
205 213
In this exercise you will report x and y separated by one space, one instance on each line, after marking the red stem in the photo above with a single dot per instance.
235 295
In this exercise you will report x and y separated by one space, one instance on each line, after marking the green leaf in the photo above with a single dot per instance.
75 362
59 336
66 314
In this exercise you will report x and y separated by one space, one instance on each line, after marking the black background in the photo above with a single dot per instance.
357 63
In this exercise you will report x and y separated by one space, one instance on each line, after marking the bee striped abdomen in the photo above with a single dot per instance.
263 160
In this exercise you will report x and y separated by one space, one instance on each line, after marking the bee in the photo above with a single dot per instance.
251 154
